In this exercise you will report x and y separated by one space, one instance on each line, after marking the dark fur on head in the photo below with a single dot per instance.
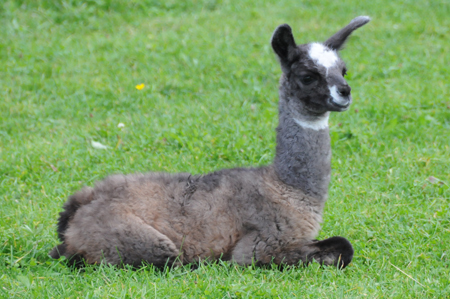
309 80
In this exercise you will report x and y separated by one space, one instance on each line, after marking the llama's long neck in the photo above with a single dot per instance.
303 153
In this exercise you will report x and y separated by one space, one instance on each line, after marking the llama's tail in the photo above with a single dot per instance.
82 197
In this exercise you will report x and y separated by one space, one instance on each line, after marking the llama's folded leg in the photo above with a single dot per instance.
124 240
334 251
141 242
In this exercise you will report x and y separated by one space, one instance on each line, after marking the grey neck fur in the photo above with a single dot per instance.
303 155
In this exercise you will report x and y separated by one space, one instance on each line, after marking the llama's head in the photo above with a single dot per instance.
313 74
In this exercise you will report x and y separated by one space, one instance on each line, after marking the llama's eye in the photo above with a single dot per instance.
308 79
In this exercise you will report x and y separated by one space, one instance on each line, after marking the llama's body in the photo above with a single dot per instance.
263 215
236 214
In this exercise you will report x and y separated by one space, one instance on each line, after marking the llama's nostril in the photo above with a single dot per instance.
344 90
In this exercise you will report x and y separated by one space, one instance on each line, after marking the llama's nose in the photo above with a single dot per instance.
344 90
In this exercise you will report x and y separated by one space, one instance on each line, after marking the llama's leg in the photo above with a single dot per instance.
334 251
244 251
124 239
141 242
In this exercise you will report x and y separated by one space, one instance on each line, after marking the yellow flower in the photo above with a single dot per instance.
140 86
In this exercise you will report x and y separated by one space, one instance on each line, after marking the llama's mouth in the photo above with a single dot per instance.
341 104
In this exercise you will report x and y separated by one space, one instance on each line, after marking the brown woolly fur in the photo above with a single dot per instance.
261 215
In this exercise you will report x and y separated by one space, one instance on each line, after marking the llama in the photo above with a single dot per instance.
264 215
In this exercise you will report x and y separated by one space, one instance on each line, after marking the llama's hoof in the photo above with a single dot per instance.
334 251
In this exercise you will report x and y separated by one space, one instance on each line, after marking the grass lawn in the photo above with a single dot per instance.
68 71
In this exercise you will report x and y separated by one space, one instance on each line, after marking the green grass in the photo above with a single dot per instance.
68 72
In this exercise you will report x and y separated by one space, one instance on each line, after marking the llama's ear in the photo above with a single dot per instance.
337 41
283 43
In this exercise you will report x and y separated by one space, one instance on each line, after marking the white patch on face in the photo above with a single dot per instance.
316 124
323 55
336 97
